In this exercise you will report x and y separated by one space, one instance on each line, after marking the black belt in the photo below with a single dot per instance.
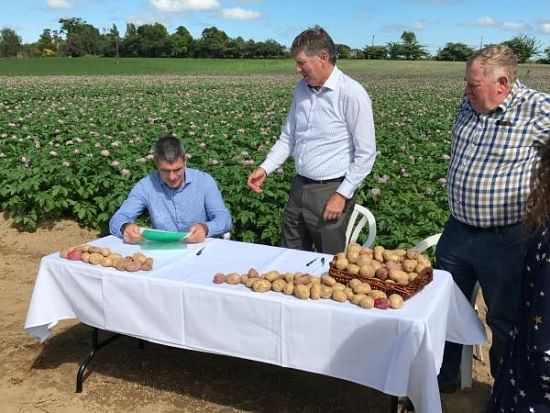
324 181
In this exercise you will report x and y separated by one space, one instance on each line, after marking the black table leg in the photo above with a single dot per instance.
95 346
394 404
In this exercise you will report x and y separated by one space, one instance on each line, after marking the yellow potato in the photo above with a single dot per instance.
261 285
366 302
396 301
339 295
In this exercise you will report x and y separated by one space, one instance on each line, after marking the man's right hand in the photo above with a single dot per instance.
256 179
131 234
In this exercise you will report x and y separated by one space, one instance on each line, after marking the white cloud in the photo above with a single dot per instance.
59 4
237 13
514 26
486 21
545 27
182 6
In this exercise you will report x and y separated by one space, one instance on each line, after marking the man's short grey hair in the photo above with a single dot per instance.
313 42
169 149
496 58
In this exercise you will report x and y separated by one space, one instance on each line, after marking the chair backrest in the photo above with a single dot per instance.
227 235
359 218
427 242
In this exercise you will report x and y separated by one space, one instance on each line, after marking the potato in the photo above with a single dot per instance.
382 303
85 257
362 288
341 263
377 294
382 273
278 285
352 256
353 269
353 247
146 266
339 295
349 293
250 281
412 254
339 286
252 273
398 275
367 270
272 276
301 292
107 262
366 302
376 264
424 260
326 291
139 257
105 251
95 258
396 301
233 278
366 252
363 260
116 257
340 255
354 282
357 298
328 280
133 266
315 292
74 255
412 276
219 278
289 277
289 288
409 265
378 253
260 285
302 279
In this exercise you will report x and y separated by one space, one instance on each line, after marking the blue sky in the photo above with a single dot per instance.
352 22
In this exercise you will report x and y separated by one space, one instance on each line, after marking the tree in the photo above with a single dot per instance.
155 41
131 43
81 38
45 44
411 49
213 43
395 50
112 44
455 52
547 52
376 52
524 47
10 43
344 51
181 40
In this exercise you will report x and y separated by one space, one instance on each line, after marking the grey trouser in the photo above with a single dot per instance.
303 225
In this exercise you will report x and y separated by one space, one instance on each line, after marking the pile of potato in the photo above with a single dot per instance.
398 266
306 286
105 257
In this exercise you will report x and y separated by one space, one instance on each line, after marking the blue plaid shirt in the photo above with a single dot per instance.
493 156
198 200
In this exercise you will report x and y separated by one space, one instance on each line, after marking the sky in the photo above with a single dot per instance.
351 22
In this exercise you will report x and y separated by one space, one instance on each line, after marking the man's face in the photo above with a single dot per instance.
485 91
314 69
172 174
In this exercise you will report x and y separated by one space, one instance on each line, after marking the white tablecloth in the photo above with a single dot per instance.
398 352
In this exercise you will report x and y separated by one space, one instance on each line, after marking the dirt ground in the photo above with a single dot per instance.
126 378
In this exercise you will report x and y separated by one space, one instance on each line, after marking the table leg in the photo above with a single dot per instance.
94 347
394 404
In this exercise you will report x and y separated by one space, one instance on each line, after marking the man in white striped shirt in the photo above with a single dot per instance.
329 131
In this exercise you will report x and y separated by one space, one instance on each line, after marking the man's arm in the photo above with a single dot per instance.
359 118
218 218
129 211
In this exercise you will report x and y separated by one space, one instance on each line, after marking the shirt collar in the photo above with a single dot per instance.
505 104
331 83
188 180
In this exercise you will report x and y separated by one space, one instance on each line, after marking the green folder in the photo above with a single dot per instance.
163 236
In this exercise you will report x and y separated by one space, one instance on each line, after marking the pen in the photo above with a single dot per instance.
199 252
311 262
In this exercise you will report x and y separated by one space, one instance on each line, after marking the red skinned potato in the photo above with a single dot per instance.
382 303
219 278
74 255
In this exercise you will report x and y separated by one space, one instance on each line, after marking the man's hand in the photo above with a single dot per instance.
256 179
334 207
131 234
197 233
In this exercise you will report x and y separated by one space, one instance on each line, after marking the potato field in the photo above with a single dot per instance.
73 146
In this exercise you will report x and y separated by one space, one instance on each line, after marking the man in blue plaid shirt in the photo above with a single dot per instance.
498 128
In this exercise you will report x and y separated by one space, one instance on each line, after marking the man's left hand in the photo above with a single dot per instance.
335 207
197 233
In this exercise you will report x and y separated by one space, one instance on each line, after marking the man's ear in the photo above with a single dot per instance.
503 83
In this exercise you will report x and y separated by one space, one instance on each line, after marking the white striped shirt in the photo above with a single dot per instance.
493 156
329 133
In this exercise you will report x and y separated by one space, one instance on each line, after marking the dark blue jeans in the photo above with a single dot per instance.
493 257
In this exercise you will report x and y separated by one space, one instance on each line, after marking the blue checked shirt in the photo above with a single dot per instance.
329 132
198 200
493 156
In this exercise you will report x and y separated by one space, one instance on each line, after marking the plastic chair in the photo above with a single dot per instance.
468 352
227 235
359 218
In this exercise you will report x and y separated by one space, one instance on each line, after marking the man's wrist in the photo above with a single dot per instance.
204 227
123 227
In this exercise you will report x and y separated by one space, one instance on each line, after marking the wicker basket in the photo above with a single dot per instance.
405 291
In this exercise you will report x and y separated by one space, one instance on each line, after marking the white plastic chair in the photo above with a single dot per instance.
468 352
227 235
359 218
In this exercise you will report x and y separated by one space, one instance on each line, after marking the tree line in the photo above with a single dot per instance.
76 38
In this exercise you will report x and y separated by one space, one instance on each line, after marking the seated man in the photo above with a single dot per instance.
177 198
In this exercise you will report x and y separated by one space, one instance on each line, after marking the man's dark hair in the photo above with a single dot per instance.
313 42
168 149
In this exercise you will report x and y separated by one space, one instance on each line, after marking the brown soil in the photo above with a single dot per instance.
126 378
